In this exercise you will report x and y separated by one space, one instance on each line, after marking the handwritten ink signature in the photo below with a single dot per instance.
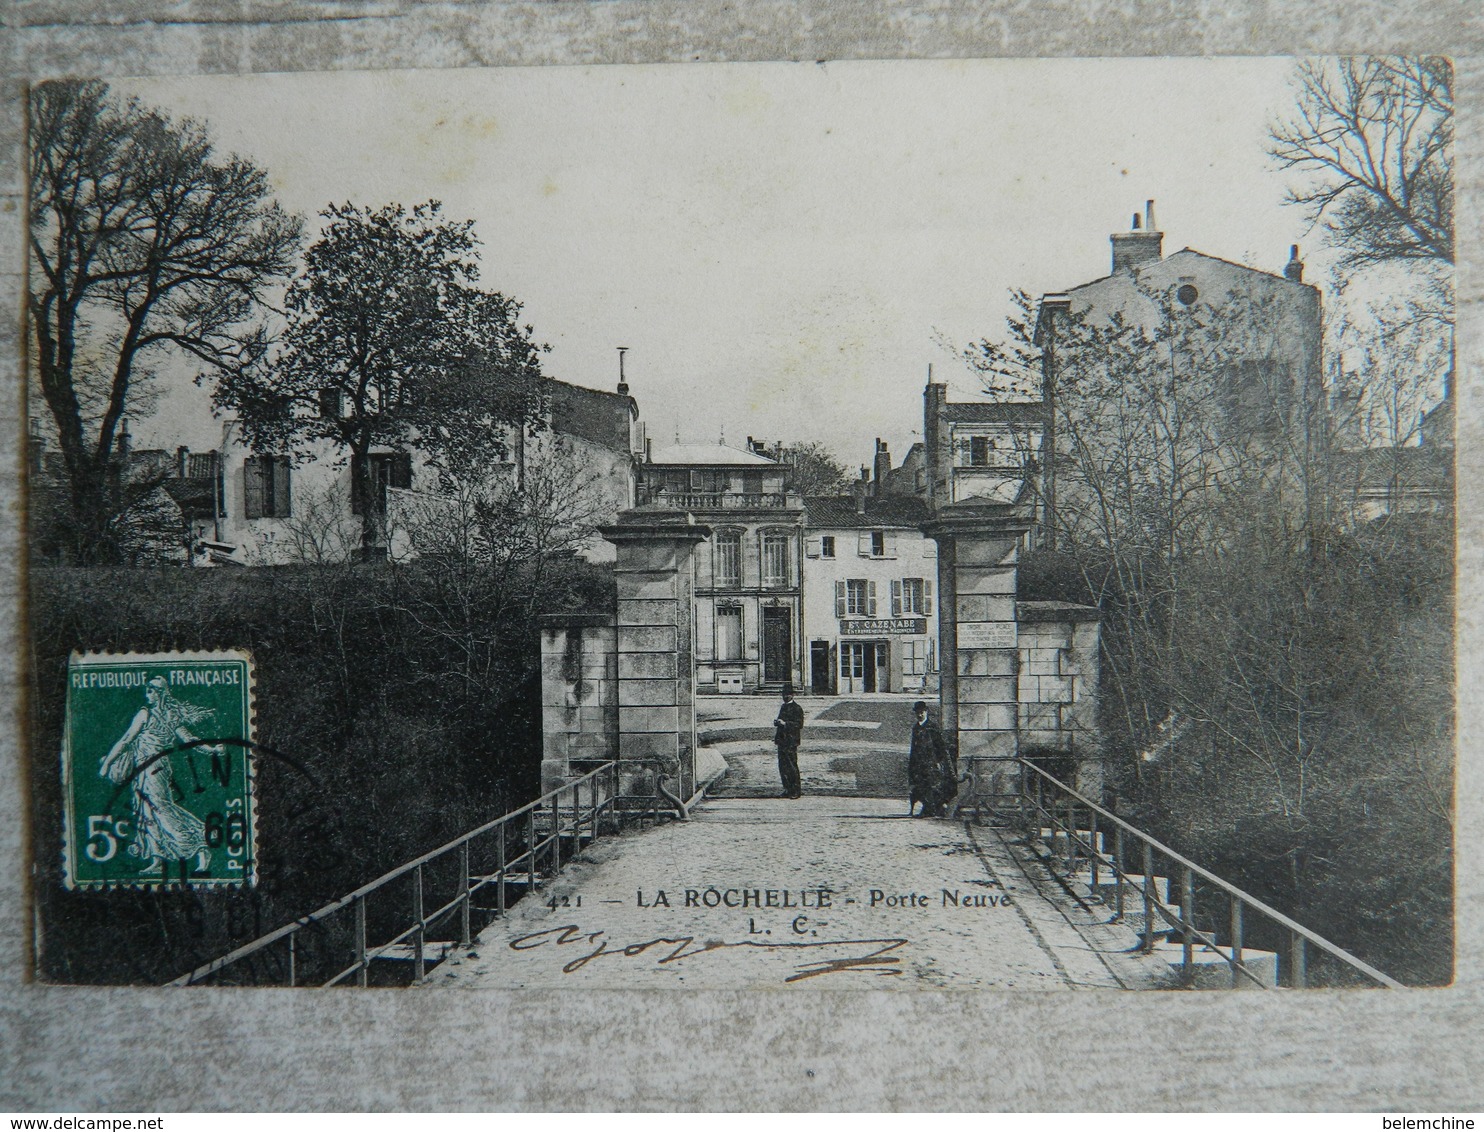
878 961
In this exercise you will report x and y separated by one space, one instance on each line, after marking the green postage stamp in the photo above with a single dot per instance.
156 770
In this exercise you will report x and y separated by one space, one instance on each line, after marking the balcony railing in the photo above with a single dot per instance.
722 500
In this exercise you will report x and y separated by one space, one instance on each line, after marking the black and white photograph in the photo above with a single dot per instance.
824 539
875 530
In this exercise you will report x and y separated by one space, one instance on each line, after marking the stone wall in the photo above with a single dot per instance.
1058 686
579 694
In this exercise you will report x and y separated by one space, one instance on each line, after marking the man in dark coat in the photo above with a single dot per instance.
788 729
931 775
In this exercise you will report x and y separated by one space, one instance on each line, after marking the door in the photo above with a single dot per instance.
819 667
777 646
863 667
852 667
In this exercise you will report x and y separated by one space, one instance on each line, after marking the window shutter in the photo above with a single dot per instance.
402 470
811 547
281 496
927 596
870 599
896 598
864 545
891 544
360 473
839 599
252 487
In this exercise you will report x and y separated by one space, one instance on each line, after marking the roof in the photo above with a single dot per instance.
995 412
1425 469
1037 611
1275 277
709 455
195 495
881 511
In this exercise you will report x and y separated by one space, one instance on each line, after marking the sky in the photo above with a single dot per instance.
785 248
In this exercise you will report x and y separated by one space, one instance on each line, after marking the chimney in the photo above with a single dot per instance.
1295 268
180 461
123 441
623 386
1137 246
882 468
858 491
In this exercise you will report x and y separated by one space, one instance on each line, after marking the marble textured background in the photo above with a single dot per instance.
76 1049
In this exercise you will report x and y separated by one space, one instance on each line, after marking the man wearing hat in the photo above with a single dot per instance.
788 728
931 775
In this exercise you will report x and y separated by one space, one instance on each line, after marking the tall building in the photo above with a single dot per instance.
748 630
870 602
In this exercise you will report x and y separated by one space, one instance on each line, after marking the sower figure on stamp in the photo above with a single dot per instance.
163 831
931 775
788 728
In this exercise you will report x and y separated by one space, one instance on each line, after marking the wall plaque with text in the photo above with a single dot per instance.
986 634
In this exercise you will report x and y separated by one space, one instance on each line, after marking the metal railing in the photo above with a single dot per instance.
1074 823
516 851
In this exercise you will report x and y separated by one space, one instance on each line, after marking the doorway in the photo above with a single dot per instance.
820 668
863 667
777 646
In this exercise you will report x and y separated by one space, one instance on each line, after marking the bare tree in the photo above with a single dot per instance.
142 243
1375 137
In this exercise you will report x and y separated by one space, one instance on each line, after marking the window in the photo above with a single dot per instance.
1187 294
878 544
265 487
827 546
979 451
331 404
729 633
911 597
708 480
726 561
775 558
855 597
915 656
752 483
380 471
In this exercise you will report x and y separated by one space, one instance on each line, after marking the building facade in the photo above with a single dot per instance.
870 594
748 625
239 506
1267 327
978 452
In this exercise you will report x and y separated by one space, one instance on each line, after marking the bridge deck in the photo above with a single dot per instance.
1013 925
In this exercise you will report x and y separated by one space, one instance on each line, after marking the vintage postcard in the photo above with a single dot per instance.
958 525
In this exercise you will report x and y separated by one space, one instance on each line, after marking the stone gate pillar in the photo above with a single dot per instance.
653 626
978 552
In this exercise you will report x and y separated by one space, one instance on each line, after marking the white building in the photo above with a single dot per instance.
275 508
870 610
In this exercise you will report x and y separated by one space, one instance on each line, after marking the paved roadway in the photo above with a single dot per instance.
887 920
850 745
